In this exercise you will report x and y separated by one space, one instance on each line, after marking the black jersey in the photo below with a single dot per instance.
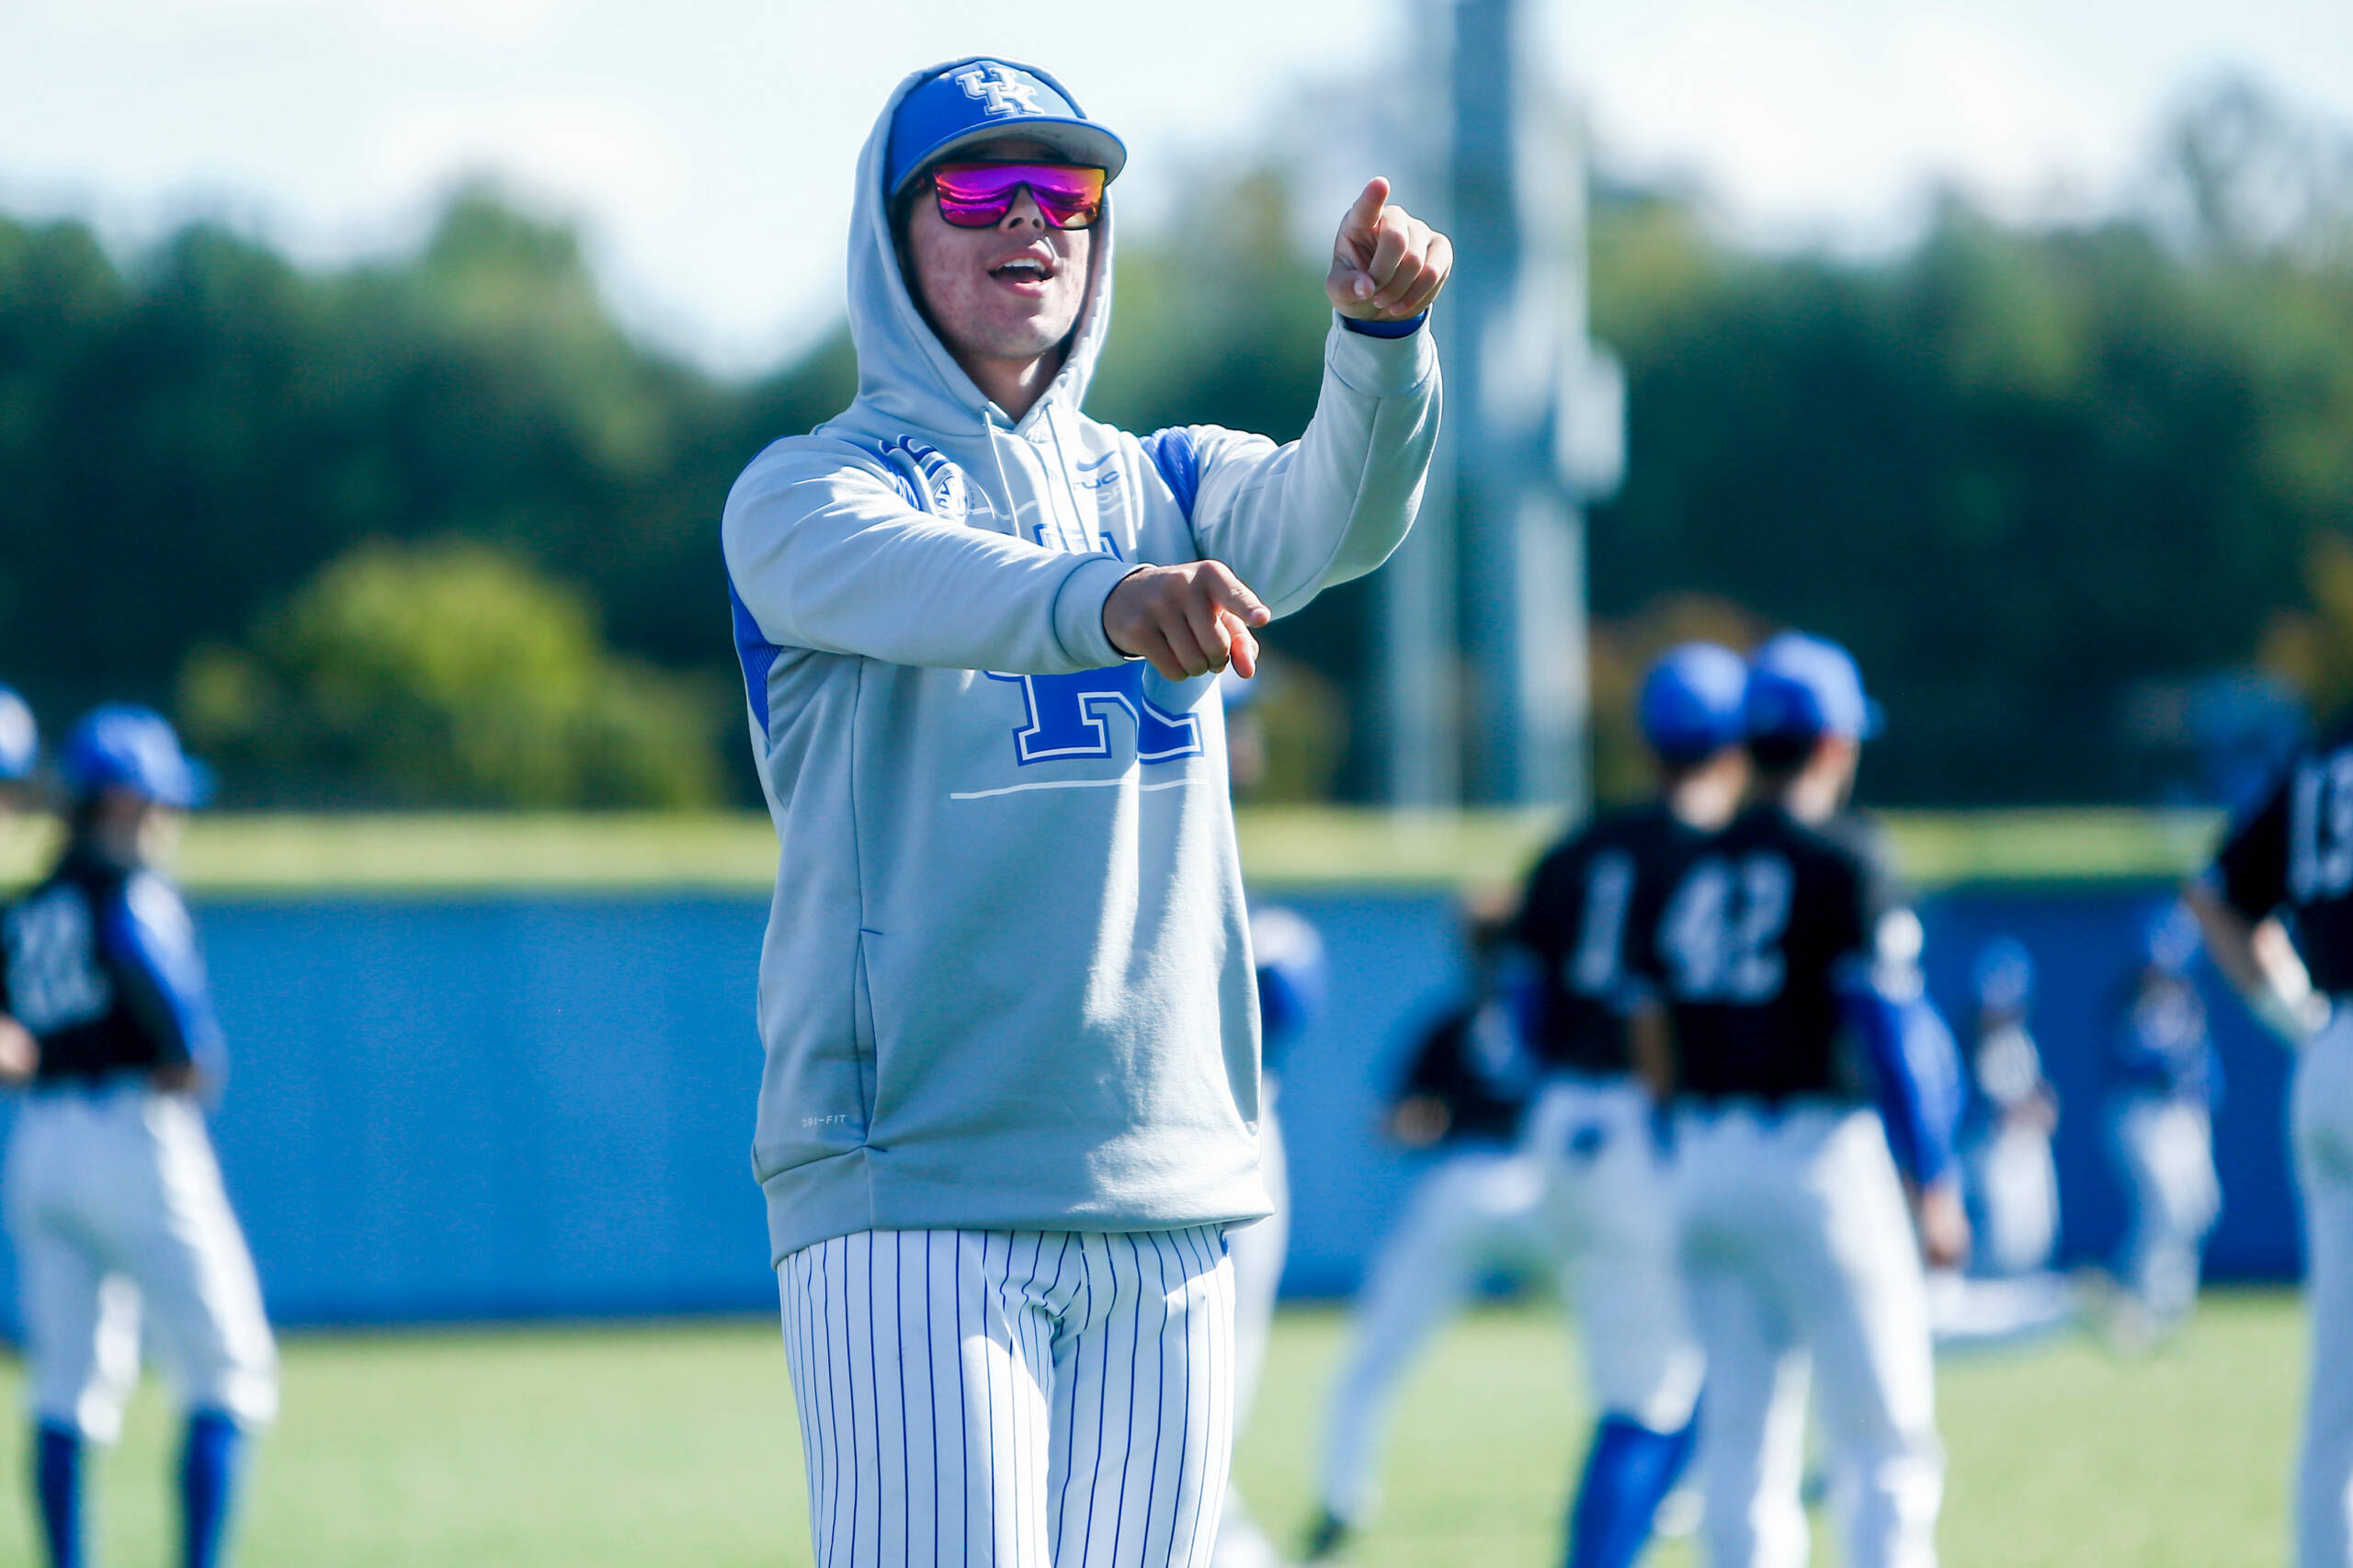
1574 923
100 964
1748 944
1474 1062
2295 853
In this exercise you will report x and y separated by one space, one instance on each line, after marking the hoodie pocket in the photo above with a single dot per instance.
862 1032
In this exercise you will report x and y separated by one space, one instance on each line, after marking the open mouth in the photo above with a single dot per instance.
1022 270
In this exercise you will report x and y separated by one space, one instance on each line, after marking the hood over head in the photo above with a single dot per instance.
906 377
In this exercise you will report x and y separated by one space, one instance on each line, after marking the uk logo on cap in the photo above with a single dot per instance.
999 91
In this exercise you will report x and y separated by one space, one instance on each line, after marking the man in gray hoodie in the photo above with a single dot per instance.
1011 1098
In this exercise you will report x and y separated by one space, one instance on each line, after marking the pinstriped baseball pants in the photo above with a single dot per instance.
1013 1399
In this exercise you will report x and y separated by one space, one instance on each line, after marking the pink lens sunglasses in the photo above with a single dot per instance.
978 196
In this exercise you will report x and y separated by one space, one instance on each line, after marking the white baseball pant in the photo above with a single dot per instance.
1476 1209
118 1212
2321 1122
2163 1149
1803 1268
1611 1212
2016 1188
1257 1253
1012 1399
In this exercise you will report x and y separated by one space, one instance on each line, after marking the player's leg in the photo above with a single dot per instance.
80 1325
1641 1357
172 1231
82 1347
1453 1226
1257 1253
1851 1273
2323 1132
1751 1459
2190 1197
921 1361
1142 1401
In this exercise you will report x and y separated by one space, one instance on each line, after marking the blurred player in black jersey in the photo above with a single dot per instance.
1475 1209
1608 1196
2290 862
1807 1139
122 1230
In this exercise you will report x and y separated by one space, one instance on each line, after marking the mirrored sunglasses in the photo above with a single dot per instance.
978 196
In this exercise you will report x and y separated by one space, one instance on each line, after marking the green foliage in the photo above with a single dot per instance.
186 442
450 675
2024 470
2018 470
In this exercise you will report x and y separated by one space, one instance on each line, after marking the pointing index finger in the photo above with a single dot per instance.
1367 211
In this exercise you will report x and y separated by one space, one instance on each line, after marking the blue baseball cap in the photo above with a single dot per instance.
1801 688
19 736
1691 701
122 745
968 102
2004 975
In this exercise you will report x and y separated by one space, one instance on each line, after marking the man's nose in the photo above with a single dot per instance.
1024 214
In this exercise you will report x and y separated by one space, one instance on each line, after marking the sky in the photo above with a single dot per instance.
705 146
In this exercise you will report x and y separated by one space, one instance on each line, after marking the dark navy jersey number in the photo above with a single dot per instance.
2294 853
102 965
1573 924
1066 717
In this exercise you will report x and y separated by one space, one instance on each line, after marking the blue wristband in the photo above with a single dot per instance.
1386 328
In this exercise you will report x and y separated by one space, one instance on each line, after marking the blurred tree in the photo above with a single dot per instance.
2025 471
449 675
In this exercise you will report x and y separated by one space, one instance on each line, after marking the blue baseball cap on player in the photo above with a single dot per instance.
2003 976
19 737
967 102
1691 701
1801 687
127 746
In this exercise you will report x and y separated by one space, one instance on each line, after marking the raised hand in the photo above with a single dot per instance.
1186 621
1387 265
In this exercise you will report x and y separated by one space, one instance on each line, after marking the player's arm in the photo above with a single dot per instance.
1909 1056
1420 1112
2236 902
19 1051
149 945
1292 520
826 553
1650 1039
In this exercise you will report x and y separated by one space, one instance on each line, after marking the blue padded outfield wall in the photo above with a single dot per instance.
498 1107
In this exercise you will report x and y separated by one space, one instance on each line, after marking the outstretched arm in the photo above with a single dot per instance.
1291 520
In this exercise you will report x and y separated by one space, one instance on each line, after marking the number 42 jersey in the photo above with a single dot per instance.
1749 943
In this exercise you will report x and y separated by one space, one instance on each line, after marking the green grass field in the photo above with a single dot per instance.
616 1448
